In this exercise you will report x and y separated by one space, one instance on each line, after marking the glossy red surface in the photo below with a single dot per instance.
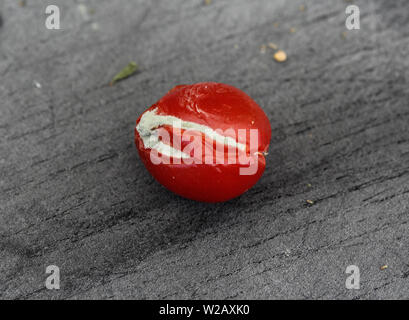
218 106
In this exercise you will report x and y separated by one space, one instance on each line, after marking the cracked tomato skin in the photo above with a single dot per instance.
218 106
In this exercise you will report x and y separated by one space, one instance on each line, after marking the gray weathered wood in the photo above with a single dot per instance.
74 193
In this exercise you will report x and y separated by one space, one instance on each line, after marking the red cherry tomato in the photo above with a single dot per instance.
205 141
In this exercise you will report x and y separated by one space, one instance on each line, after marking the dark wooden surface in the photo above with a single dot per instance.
74 193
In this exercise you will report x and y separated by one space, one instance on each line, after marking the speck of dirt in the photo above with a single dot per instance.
280 56
272 46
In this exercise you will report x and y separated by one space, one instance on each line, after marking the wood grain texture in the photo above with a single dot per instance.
74 193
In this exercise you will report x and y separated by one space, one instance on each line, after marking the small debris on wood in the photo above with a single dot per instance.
37 84
384 267
280 56
208 2
126 72
310 202
292 30
272 45
301 7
